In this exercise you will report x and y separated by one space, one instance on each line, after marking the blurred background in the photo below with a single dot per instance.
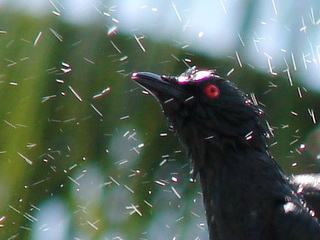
86 154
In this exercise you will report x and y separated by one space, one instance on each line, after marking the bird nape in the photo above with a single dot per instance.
245 193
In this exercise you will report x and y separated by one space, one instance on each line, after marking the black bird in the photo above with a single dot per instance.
245 193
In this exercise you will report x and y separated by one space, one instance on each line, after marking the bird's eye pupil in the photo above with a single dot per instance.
212 91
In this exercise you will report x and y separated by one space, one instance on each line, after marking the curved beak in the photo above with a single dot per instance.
165 89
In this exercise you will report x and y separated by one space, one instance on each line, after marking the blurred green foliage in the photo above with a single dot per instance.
55 128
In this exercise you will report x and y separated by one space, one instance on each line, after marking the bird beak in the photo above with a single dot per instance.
165 89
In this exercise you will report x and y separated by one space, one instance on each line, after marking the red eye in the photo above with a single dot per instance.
212 91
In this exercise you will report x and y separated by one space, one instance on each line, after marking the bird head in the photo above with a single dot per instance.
208 112
202 99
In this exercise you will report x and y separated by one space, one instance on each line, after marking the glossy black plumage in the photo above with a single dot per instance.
246 194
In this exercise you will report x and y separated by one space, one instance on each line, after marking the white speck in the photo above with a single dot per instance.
163 162
161 183
289 76
92 225
25 158
223 6
312 115
115 20
55 6
122 162
208 138
55 13
293 62
154 9
74 181
169 100
294 164
302 146
129 189
174 179
294 141
255 41
131 136
175 192
238 59
73 166
176 11
294 113
249 136
125 117
304 27
57 35
274 7
37 39
14 209
135 209
254 99
102 93
299 92
135 149
2 220
88 60
271 68
115 47
112 31
230 72
241 40
106 14
175 57
96 110
139 43
60 81
305 60
146 202
113 180
189 99
75 93
30 217
123 58
66 70
126 133
31 145
200 34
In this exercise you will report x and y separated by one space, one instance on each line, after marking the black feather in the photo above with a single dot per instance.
245 193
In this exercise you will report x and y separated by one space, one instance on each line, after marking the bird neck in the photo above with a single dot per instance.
235 174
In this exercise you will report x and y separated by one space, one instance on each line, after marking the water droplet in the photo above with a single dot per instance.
192 180
302 146
113 30
174 179
312 213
